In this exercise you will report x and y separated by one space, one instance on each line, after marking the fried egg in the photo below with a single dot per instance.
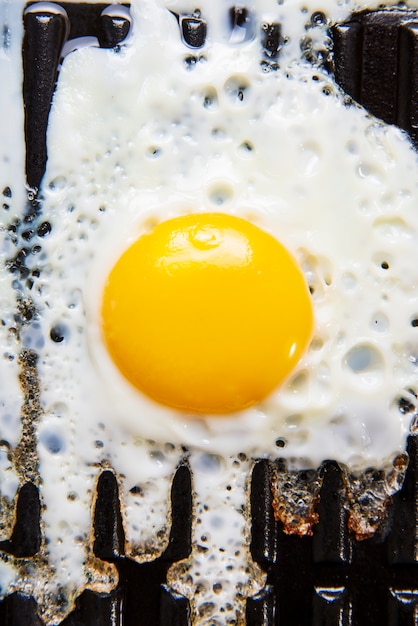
225 275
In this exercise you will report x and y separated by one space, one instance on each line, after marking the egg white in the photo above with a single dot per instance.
325 196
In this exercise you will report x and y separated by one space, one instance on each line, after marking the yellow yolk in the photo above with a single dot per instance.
206 313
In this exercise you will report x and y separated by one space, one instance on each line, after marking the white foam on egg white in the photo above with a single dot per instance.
140 136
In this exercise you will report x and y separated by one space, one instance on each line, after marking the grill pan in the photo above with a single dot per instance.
328 578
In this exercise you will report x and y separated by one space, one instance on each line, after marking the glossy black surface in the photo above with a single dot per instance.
376 63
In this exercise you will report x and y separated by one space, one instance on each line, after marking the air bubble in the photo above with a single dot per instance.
349 281
58 184
237 88
366 362
324 374
299 438
388 201
392 229
298 383
52 442
382 261
216 521
59 409
218 133
157 456
74 299
352 147
359 358
280 443
339 419
208 463
206 609
405 405
370 173
153 152
58 333
210 98
379 322
32 337
310 158
220 194
27 235
241 24
191 61
317 344
246 148
318 18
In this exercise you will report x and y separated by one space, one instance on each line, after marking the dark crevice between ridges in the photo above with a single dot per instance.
376 63
113 30
143 585
403 539
330 578
86 18
331 607
331 543
348 41
180 541
368 582
109 542
261 608
408 79
292 579
174 608
19 610
45 34
142 596
263 544
97 609
402 609
26 535
379 66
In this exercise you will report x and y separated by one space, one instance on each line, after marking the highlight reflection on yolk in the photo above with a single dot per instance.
206 313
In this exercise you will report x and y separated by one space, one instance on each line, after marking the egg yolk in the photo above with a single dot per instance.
206 313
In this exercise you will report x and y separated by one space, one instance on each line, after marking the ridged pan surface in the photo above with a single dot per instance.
328 578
